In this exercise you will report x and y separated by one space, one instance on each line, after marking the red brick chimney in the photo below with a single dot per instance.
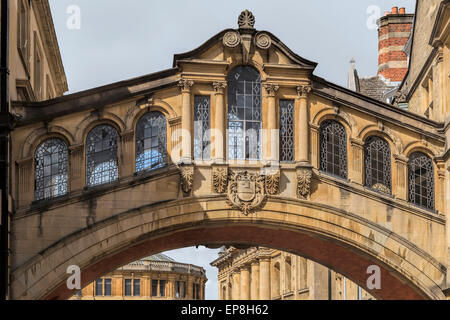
394 30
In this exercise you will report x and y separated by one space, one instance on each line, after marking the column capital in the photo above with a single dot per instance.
303 91
185 85
245 267
264 259
271 89
219 87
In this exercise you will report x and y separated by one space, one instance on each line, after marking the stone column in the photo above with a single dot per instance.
303 124
245 283
186 120
236 287
219 123
264 279
254 282
273 151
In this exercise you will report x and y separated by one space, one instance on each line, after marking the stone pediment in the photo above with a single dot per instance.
243 45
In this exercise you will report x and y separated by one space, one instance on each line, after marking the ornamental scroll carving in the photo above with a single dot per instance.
273 183
187 178
304 178
246 191
220 180
246 20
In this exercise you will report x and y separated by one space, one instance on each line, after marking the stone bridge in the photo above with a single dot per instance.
238 144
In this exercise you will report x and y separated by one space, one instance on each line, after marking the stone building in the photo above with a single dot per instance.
238 143
269 274
154 278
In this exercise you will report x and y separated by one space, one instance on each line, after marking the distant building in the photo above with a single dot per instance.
268 274
154 278
393 34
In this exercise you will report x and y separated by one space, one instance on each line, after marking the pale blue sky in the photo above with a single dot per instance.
122 39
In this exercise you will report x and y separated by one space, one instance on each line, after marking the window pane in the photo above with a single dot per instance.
162 288
377 159
136 287
101 156
99 287
154 288
107 286
287 149
244 113
51 169
151 142
202 128
127 287
421 180
333 148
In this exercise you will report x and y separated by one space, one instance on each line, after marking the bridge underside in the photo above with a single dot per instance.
332 237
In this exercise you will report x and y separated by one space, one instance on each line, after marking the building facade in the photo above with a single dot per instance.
154 278
239 143
268 274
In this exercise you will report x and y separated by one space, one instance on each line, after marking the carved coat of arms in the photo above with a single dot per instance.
246 191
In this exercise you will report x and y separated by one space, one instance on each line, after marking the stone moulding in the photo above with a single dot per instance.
304 178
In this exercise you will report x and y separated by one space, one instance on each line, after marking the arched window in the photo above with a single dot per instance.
377 159
421 180
244 113
151 142
101 156
333 148
50 169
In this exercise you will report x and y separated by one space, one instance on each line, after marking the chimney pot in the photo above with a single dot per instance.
402 11
394 10
386 13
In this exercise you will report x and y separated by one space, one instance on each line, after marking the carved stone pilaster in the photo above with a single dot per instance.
303 91
185 85
219 87
187 178
271 89
304 179
220 179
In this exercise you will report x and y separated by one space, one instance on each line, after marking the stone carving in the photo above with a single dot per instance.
185 85
304 176
271 89
303 90
219 86
231 39
246 20
187 178
220 180
263 41
381 188
246 191
273 183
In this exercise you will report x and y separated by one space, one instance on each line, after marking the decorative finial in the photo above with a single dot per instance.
246 20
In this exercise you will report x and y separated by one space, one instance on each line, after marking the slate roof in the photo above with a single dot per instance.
374 87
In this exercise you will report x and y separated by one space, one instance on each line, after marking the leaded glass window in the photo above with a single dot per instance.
101 156
421 180
244 113
51 169
333 148
151 142
377 159
202 135
287 140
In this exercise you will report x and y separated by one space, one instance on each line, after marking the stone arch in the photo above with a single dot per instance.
321 233
252 63
387 134
416 146
95 119
136 112
341 116
36 137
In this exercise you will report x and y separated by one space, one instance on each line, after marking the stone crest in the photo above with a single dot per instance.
246 191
